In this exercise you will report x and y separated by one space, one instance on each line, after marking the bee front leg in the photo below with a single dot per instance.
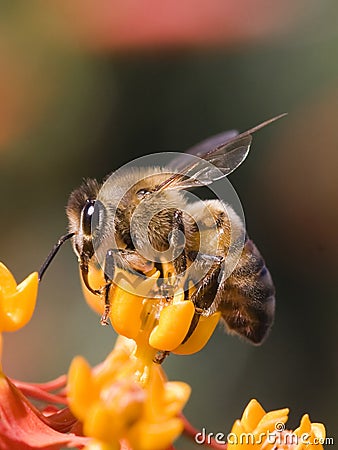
109 272
207 288
127 260
177 241
131 260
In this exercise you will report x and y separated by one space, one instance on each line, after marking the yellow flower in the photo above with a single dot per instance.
22 425
126 402
258 429
17 302
310 434
167 323
127 396
127 399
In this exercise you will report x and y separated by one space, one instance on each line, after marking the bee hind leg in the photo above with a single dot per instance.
207 288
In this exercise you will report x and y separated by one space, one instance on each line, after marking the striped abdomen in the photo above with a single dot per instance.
246 298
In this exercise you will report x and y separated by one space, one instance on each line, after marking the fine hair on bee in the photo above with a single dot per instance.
140 218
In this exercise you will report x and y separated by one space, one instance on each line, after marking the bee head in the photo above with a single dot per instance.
84 212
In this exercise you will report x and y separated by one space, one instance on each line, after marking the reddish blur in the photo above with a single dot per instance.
30 80
139 24
22 96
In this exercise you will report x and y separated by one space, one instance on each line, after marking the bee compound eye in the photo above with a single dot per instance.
98 216
93 215
86 217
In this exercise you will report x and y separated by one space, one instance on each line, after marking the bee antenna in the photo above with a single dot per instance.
53 253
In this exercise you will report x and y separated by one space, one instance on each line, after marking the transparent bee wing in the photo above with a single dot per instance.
214 165
212 142
223 159
201 149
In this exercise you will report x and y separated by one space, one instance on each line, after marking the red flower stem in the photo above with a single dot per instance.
39 394
52 385
190 431
62 421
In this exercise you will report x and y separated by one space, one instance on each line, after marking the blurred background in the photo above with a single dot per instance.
87 86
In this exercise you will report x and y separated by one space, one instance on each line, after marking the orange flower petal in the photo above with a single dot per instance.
252 415
154 436
126 308
99 424
81 388
271 420
7 281
99 445
200 337
234 437
305 426
176 395
17 303
319 430
173 325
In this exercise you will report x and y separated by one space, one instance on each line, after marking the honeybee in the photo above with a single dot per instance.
140 218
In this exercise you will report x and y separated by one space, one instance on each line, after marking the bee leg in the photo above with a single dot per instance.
84 273
186 288
131 260
85 258
167 291
206 291
160 356
177 240
109 272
